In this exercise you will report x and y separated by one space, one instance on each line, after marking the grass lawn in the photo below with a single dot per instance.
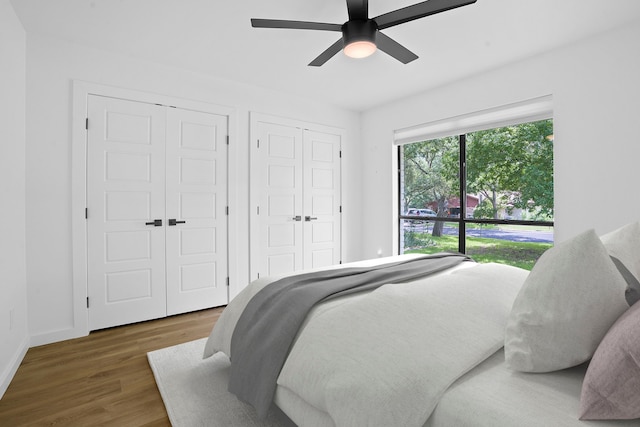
518 254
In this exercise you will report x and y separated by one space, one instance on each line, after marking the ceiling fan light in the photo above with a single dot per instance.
360 49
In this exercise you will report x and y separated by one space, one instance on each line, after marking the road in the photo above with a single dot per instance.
534 236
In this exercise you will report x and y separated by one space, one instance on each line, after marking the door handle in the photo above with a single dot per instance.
155 223
310 218
297 218
173 221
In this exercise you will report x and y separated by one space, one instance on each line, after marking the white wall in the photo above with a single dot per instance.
51 68
14 334
596 92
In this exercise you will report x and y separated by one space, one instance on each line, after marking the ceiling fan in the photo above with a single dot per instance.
361 35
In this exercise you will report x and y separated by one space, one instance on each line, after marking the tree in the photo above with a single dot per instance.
484 210
431 175
536 179
513 165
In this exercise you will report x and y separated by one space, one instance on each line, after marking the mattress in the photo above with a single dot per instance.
493 395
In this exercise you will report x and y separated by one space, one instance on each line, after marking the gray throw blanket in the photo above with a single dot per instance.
270 322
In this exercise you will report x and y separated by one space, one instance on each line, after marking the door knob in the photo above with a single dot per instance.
155 223
310 218
173 221
297 218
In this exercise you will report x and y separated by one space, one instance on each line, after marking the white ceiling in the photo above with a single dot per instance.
215 37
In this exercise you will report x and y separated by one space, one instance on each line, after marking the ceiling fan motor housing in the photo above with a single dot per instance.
359 30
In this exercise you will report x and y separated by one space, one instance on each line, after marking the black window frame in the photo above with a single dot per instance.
462 220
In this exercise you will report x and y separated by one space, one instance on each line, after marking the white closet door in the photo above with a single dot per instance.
280 192
322 199
298 190
196 210
125 192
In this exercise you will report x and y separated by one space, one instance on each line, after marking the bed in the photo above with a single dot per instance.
473 345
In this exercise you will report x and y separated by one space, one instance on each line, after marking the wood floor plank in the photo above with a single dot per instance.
102 379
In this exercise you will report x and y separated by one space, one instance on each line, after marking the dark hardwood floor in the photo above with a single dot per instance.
103 379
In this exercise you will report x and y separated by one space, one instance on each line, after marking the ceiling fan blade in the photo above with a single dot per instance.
417 11
296 25
358 9
395 49
327 54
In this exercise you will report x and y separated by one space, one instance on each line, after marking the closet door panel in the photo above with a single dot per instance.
125 191
322 199
280 204
196 176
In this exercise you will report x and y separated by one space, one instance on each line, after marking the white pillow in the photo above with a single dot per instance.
624 244
571 298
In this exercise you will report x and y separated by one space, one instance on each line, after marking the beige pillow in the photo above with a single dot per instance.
565 307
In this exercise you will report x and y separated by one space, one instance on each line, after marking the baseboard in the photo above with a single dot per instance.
11 370
57 336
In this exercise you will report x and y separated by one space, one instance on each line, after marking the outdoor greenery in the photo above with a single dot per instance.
510 171
431 171
518 254
510 167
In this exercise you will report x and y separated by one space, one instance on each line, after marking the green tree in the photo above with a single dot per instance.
513 166
431 175
484 210
536 180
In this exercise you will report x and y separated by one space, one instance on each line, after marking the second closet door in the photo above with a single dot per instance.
322 210
298 212
280 203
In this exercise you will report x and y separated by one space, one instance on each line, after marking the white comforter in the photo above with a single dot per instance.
386 357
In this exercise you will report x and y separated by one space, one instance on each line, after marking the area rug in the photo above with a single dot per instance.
195 393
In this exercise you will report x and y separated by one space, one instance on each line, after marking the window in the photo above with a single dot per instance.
487 193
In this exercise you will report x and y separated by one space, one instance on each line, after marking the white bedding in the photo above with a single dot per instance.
493 395
220 337
427 334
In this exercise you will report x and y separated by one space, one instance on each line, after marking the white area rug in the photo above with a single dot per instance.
195 393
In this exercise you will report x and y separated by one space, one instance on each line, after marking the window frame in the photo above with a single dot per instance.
462 220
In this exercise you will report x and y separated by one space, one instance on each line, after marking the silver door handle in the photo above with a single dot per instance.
297 218
310 218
